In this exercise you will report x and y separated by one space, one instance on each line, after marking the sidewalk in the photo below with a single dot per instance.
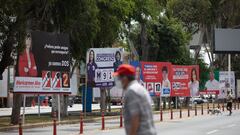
47 109
94 125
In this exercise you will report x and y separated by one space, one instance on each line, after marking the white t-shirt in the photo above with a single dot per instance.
212 85
194 88
166 88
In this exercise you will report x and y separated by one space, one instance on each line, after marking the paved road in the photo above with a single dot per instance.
197 125
47 109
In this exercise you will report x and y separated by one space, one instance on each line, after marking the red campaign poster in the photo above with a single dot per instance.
158 77
194 80
185 81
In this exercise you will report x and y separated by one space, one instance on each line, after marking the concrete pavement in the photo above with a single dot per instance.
200 125
47 109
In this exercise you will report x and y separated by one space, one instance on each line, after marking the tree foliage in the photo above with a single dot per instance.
169 40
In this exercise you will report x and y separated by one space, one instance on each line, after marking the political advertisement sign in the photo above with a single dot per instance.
44 64
194 80
238 88
185 81
224 80
212 85
180 81
4 84
101 64
139 76
157 76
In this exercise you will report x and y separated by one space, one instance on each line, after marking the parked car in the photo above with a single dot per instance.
197 101
77 100
70 101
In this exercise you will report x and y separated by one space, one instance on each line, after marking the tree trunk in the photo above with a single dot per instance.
103 99
16 109
64 105
144 42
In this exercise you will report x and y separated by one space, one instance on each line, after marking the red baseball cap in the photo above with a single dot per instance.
125 69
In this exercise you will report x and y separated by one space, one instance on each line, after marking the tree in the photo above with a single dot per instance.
112 14
144 13
169 41
205 15
12 29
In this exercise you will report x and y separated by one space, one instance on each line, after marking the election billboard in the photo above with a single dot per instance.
44 64
180 81
212 86
101 64
157 77
185 80
4 84
139 76
223 81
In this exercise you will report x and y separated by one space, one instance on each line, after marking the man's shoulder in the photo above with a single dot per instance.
135 88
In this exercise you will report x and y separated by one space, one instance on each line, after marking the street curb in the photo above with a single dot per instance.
48 124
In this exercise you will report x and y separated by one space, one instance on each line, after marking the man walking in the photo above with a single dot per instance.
229 99
138 117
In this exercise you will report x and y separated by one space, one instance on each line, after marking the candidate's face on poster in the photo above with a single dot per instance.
211 76
91 56
150 88
165 75
118 56
28 42
194 75
138 72
158 87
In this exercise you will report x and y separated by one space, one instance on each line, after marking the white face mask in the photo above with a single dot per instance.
118 83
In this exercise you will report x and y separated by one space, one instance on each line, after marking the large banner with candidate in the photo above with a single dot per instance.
185 80
101 64
44 64
157 77
224 81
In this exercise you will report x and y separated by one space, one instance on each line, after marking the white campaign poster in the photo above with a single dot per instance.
224 79
101 63
35 85
238 88
3 84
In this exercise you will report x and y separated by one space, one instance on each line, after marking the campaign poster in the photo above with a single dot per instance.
139 76
238 88
4 83
212 85
158 77
101 64
194 80
180 81
40 65
224 80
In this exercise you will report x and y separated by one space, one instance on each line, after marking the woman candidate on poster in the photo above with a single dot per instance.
194 83
118 61
166 85
26 62
91 67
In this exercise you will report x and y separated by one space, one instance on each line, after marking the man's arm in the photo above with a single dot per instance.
134 125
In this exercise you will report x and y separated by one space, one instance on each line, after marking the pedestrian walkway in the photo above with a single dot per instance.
110 124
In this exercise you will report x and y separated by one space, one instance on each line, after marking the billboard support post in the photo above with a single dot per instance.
39 106
24 105
229 70
176 99
85 93
59 108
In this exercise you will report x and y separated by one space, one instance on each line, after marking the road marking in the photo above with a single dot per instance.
231 125
211 132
